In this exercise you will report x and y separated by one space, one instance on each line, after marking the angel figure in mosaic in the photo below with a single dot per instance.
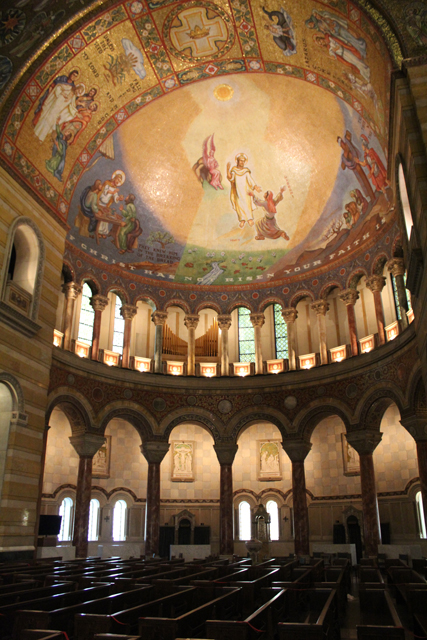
281 28
206 167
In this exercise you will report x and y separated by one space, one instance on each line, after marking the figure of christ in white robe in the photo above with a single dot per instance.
108 195
57 101
241 200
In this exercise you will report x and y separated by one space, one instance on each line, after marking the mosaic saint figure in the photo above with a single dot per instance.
109 194
267 226
329 23
242 187
349 160
345 53
55 165
52 103
377 173
89 204
282 30
131 226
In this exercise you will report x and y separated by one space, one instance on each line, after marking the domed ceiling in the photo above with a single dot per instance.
223 145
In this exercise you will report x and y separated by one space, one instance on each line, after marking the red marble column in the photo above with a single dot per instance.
297 452
154 452
224 323
350 297
321 307
98 303
225 454
289 316
396 267
71 290
128 312
365 443
376 285
86 446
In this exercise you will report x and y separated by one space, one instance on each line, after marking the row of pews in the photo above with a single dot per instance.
154 599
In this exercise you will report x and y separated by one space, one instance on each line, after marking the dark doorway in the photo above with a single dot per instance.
166 538
354 536
184 532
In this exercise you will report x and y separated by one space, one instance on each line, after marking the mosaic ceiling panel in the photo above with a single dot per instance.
215 144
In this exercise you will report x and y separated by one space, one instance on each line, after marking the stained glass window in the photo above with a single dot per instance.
66 512
396 297
246 336
119 327
119 521
87 316
93 519
280 333
273 510
245 521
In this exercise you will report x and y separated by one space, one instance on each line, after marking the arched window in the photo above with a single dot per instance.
119 327
66 511
405 202
245 532
280 333
420 515
119 521
6 408
87 316
246 336
273 511
94 509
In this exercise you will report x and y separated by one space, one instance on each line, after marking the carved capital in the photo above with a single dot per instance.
87 444
375 283
320 307
257 319
224 322
289 315
364 441
159 318
154 452
191 321
99 302
396 267
128 311
225 452
417 426
297 450
71 290
349 296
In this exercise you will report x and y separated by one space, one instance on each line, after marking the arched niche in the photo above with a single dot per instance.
11 416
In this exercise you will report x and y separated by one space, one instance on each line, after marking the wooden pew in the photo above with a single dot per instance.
335 578
370 578
62 618
251 589
402 580
264 620
303 580
317 621
378 616
26 595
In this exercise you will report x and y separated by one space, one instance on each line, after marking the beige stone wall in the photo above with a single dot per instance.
28 360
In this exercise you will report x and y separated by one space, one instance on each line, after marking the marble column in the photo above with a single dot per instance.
98 303
128 312
225 454
321 307
289 316
417 427
297 452
258 320
365 443
376 285
191 322
159 318
396 267
71 291
224 323
350 297
86 445
153 452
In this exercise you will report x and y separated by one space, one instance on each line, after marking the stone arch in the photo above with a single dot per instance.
68 272
76 409
355 277
328 288
208 305
149 299
379 264
307 420
270 301
181 304
18 402
198 416
260 413
137 417
373 404
240 303
120 292
89 279
300 295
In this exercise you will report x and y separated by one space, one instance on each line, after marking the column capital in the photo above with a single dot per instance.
375 283
320 307
396 266
364 441
128 311
159 318
99 302
87 444
225 452
191 321
289 315
257 319
297 450
417 426
71 290
224 322
154 452
349 296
